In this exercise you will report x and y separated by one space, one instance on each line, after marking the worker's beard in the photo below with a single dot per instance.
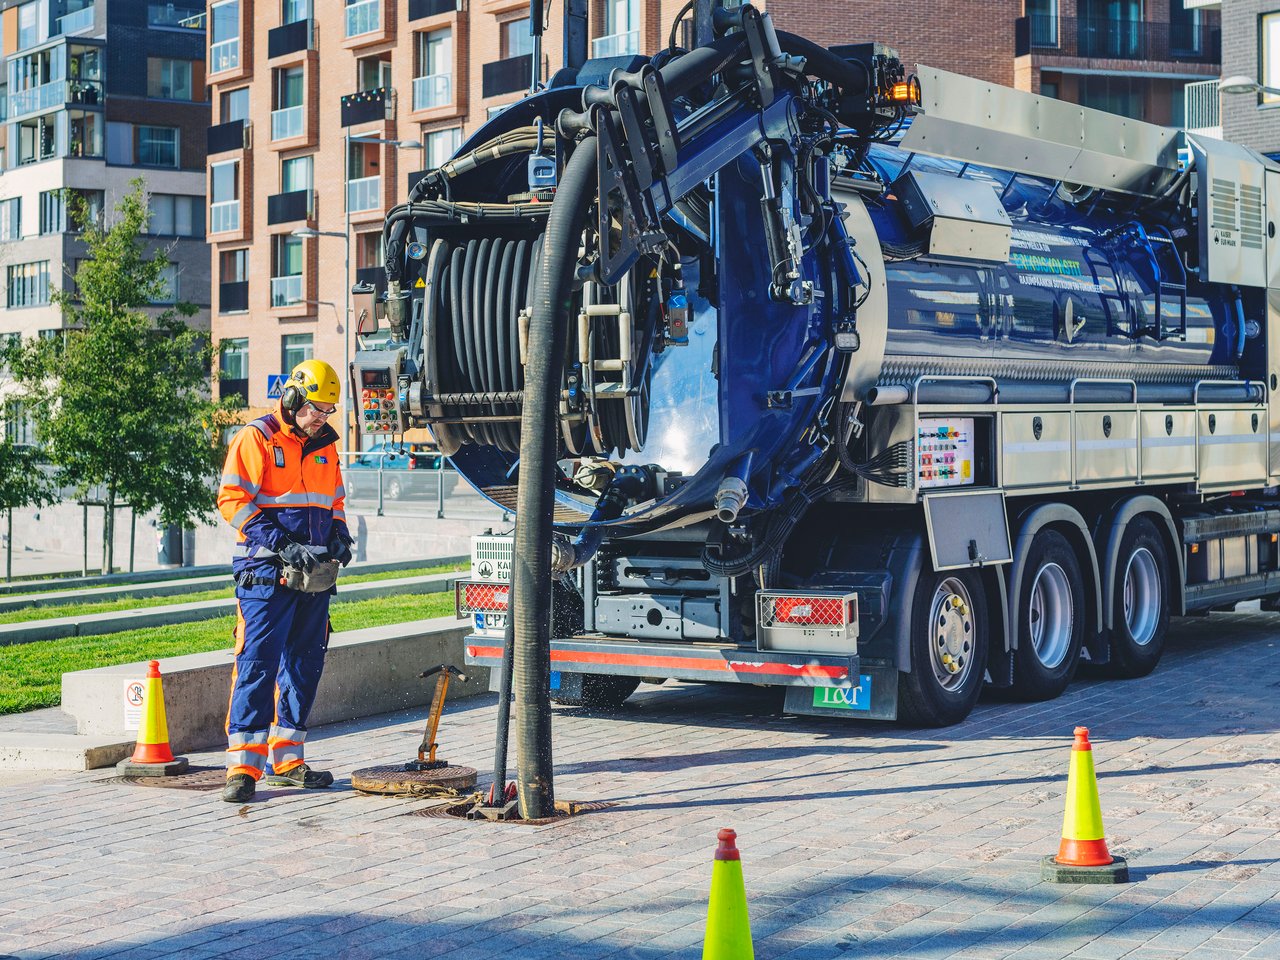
312 429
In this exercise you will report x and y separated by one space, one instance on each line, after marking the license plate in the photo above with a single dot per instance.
491 622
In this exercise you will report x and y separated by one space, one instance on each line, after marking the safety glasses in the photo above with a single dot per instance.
321 411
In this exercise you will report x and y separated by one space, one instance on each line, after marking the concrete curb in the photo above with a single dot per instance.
60 751
367 672
91 625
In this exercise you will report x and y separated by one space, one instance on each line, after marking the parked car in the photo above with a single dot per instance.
408 470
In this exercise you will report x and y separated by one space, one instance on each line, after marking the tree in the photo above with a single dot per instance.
22 481
123 395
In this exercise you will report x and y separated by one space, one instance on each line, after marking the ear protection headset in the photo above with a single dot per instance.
294 396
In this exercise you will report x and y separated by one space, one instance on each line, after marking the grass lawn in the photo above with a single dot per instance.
31 673
27 614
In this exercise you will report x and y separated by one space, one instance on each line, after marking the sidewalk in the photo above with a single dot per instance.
858 840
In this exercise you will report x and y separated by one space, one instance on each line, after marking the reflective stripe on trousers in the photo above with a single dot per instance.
286 748
247 753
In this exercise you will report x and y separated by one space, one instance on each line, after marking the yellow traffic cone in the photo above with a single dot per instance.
152 755
728 926
1083 856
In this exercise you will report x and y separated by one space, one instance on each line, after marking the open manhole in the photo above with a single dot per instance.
565 810
196 778
394 780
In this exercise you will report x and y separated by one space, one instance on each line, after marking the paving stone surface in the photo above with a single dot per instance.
859 840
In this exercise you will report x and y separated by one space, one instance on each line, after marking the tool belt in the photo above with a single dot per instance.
319 579
247 580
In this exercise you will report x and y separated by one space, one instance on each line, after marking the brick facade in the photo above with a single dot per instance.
1245 118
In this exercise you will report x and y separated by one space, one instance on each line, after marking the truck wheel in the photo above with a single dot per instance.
599 690
1050 619
1141 614
950 631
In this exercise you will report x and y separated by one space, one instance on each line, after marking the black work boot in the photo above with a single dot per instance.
301 776
239 788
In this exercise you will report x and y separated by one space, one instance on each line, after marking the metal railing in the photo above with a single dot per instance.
1202 111
616 44
364 193
433 90
224 55
288 122
286 290
364 16
1109 39
224 216
380 478
80 20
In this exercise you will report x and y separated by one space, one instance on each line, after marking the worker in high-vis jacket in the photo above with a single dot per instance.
282 492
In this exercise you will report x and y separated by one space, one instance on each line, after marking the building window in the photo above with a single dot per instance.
294 348
621 30
169 79
441 145
1269 41
224 36
120 143
53 212
1043 15
91 202
369 249
433 76
28 284
516 39
234 105
175 215
233 266
158 146
363 16
286 270
224 196
295 174
32 28
169 284
288 117
291 11
11 219
373 73
234 359
169 16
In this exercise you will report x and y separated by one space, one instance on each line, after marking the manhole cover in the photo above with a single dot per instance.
394 779
566 810
201 778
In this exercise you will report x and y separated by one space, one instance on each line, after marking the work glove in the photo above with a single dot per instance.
296 555
339 547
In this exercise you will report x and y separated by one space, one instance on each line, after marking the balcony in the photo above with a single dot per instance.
364 193
166 16
291 206
616 45
1202 108
418 9
289 122
435 90
286 291
368 106
75 22
365 16
224 55
233 298
506 76
224 216
53 96
290 38
232 135
1101 38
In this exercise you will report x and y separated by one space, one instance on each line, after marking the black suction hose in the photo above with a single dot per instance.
535 499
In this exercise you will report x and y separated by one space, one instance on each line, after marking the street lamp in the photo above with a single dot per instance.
1243 84
306 233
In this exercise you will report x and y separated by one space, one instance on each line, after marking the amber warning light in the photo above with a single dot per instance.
906 93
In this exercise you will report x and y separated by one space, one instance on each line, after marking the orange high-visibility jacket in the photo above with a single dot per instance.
280 485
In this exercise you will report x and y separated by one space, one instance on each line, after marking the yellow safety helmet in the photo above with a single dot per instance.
311 380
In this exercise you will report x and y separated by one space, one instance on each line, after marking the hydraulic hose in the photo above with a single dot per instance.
850 76
535 499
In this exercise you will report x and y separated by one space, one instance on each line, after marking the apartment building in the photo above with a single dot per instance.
324 112
1250 50
95 93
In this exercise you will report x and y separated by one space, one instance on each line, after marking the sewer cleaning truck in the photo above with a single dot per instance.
798 366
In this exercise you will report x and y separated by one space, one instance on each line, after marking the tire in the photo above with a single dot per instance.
950 634
1050 620
600 690
1141 606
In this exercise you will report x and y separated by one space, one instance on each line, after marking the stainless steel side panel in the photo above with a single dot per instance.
1232 447
1168 445
1106 446
1036 450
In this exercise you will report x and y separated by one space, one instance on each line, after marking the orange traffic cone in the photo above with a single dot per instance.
1083 856
152 756
728 926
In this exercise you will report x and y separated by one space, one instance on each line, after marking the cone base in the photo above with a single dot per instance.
132 768
1117 871
1084 853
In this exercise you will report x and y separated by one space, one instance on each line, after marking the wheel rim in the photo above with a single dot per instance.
1142 598
1050 616
952 634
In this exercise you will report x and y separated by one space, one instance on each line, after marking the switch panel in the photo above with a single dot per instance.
944 452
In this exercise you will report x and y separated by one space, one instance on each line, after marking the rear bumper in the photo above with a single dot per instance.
628 658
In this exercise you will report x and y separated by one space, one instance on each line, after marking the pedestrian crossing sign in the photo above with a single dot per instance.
275 385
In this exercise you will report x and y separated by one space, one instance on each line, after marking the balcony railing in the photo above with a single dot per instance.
290 38
224 55
286 290
364 16
231 135
44 97
1107 39
75 22
288 207
506 76
170 17
1202 108
431 8
434 90
288 122
233 297
616 44
368 106
224 216
364 193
